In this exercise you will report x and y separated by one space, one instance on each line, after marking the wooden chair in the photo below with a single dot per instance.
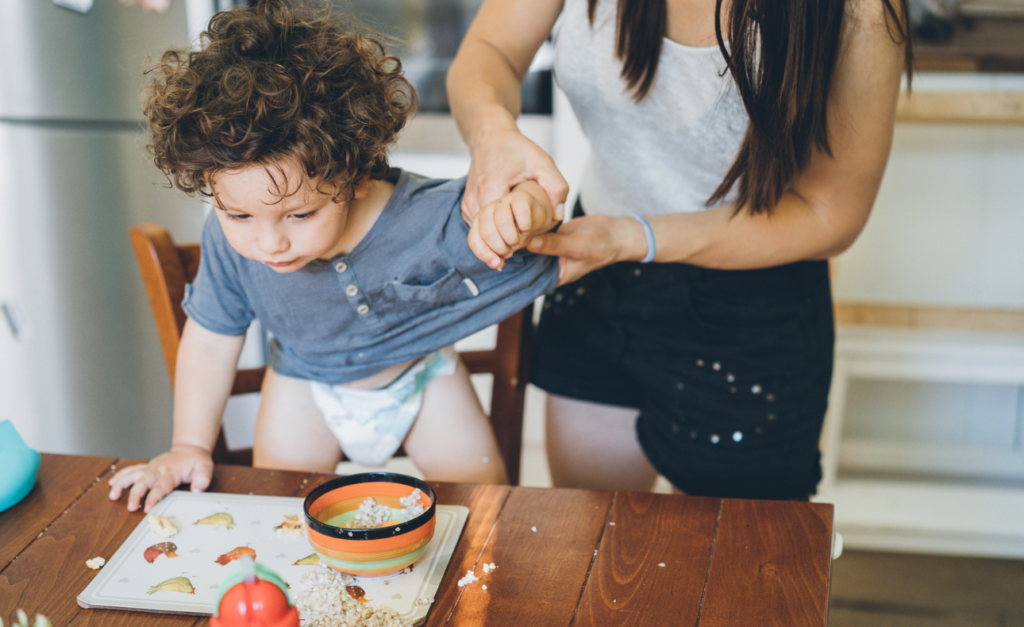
167 267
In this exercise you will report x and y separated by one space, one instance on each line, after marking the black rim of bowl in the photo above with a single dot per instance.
369 534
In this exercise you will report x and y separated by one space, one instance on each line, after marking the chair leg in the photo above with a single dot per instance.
508 397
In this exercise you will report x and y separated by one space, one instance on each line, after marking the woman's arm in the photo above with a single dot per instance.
484 84
823 213
204 374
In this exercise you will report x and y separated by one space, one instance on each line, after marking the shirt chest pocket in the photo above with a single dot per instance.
412 296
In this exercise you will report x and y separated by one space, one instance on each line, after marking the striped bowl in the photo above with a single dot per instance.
368 552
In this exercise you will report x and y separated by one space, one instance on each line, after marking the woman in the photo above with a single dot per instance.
737 145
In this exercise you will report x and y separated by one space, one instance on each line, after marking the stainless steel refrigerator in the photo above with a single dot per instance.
80 363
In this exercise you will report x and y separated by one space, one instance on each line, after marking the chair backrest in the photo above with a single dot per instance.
167 267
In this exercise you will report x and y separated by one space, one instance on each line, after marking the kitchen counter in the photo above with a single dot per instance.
977 45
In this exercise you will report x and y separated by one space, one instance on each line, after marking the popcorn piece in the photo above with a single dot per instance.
371 515
161 526
533 529
489 567
411 505
484 586
468 579
95 563
326 602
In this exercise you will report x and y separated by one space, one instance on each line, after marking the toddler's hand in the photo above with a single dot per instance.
163 473
505 225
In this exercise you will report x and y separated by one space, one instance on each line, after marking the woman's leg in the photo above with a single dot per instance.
290 430
594 447
452 439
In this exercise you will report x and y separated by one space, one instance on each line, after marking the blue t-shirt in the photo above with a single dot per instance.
410 287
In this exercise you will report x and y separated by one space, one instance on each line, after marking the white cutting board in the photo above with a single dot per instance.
122 584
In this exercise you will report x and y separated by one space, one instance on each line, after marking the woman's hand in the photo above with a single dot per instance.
589 243
505 225
182 464
501 160
484 90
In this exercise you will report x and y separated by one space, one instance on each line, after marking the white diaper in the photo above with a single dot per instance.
371 424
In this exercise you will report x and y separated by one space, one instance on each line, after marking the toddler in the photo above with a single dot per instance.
362 274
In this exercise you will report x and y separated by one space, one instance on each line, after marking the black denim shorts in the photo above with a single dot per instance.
730 369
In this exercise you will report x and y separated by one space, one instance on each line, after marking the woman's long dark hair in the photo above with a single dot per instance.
781 55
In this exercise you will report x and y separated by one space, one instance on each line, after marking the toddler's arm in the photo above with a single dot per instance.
204 374
505 225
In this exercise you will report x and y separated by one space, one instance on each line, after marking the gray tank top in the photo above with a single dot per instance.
667 153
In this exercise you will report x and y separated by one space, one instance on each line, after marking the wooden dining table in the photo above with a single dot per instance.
566 557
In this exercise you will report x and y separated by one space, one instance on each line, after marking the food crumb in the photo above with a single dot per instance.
489 567
612 524
411 505
291 526
161 526
387 582
468 579
424 601
371 515
484 586
662 564
534 529
322 603
95 563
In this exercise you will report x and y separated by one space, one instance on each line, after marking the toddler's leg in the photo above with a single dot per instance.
594 447
452 439
290 430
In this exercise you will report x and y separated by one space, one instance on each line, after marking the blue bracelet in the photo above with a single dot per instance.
648 235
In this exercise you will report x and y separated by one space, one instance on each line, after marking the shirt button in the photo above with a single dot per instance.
351 290
362 309
340 267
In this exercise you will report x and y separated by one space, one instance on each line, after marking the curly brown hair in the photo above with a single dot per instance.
275 82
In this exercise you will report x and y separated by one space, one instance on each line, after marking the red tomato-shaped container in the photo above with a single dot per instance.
254 596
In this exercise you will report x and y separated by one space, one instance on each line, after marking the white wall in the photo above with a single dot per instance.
948 224
946 231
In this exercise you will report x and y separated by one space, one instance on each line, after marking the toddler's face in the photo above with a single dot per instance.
283 228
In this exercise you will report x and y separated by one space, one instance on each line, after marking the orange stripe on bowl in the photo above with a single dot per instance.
374 556
369 546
